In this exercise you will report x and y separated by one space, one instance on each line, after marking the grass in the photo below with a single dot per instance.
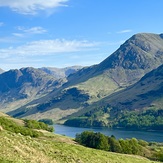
98 87
52 148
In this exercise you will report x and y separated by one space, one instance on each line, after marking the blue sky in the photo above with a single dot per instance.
61 33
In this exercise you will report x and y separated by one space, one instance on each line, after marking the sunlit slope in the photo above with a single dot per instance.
140 106
127 65
51 148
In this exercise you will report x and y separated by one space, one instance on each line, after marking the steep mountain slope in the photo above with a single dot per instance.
146 92
137 56
24 84
61 72
142 100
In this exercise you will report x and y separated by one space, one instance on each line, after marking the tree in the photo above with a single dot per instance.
93 140
114 145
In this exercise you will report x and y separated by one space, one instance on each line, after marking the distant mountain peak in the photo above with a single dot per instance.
161 35
1 71
61 72
24 80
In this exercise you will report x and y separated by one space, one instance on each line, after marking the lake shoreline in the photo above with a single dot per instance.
150 136
114 128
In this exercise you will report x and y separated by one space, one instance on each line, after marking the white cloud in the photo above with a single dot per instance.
31 6
47 47
124 31
33 30
27 31
18 34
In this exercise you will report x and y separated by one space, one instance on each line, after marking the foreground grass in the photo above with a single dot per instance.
51 148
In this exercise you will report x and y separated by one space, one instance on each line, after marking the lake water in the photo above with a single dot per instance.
144 135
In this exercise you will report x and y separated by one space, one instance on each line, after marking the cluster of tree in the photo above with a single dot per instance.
85 122
10 125
97 111
33 124
149 119
100 141
47 121
93 118
128 146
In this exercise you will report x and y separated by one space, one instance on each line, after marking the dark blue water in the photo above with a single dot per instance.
144 135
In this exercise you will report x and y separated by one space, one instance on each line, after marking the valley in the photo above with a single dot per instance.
128 83
81 81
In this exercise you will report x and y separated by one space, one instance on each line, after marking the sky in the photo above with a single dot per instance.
62 33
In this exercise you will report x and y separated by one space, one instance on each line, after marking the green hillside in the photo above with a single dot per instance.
52 148
139 106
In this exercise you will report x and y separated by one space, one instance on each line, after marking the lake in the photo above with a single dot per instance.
149 136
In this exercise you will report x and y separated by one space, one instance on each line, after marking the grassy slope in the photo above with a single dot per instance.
145 94
98 87
52 148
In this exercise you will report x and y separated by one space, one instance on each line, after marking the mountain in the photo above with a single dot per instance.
19 86
137 56
1 71
127 65
139 106
61 72
146 92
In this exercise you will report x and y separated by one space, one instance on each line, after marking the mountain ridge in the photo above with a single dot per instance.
61 72
127 65
24 84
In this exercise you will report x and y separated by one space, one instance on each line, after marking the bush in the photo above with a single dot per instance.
33 124
159 155
10 125
143 143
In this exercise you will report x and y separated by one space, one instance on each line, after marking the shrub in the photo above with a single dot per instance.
33 124
10 125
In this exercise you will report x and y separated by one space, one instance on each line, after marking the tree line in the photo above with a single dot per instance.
128 146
